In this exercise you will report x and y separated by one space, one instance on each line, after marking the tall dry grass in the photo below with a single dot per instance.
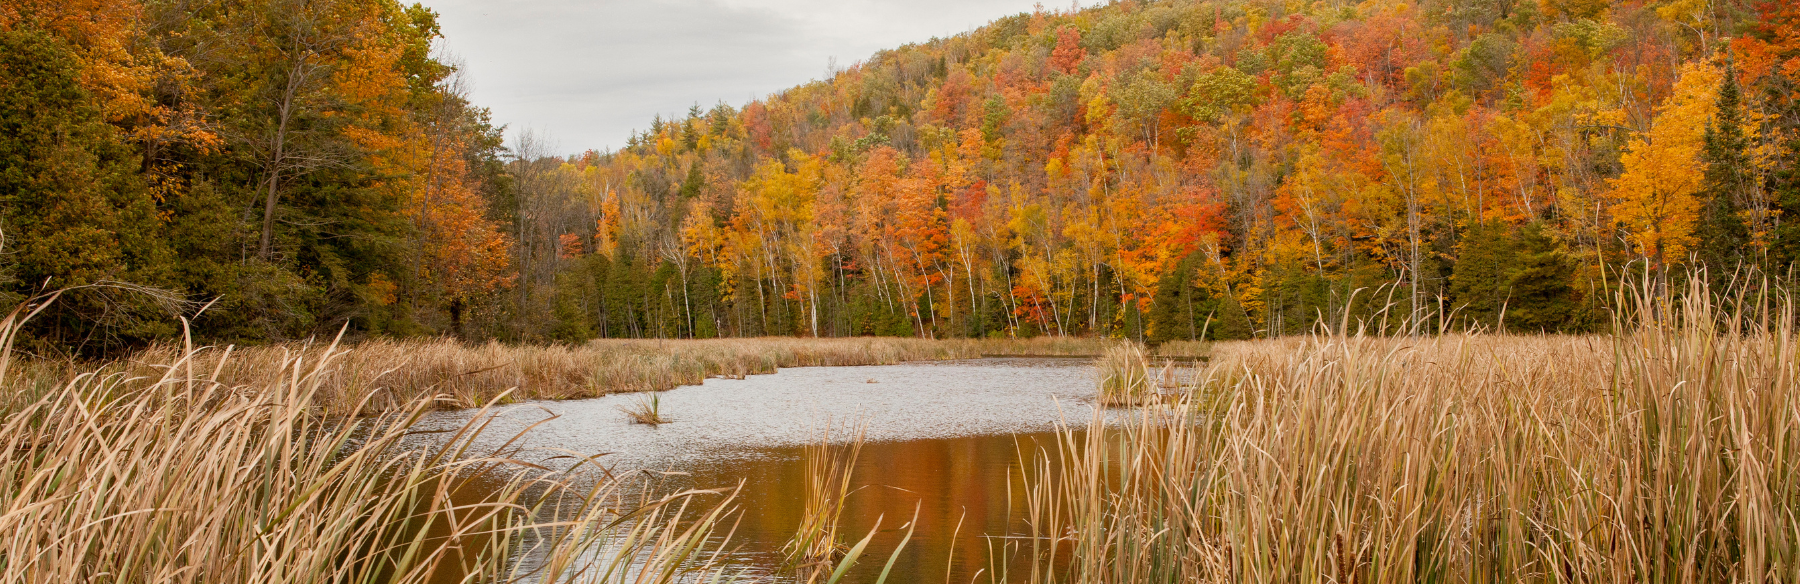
180 477
1124 375
1669 452
818 553
388 375
1191 350
817 546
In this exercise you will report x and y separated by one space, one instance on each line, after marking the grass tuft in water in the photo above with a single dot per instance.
817 547
1124 374
646 410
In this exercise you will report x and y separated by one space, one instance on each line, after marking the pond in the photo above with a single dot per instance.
945 438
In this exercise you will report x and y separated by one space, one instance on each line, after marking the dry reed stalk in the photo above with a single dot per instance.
1669 452
1124 376
181 478
817 546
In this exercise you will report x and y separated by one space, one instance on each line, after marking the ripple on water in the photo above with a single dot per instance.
945 439
739 419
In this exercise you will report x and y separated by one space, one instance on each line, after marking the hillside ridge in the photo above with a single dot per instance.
1180 169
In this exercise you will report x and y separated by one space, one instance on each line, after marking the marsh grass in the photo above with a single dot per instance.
646 410
1124 375
389 375
1668 452
179 477
1185 349
817 546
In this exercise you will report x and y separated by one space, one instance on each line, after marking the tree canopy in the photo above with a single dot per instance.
1159 170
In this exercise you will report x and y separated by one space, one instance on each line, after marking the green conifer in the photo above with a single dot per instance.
1542 298
1784 192
1171 315
1728 178
1479 283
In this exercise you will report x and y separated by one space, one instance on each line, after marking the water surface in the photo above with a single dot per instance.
943 438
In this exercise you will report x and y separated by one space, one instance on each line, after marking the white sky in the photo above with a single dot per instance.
585 73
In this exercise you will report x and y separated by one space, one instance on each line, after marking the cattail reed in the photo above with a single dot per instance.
1666 452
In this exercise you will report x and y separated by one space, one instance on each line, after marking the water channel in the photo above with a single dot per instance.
944 438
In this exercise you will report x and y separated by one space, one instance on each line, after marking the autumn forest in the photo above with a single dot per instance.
1171 170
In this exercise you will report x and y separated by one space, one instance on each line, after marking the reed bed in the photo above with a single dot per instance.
1185 349
1669 452
1124 375
388 375
182 478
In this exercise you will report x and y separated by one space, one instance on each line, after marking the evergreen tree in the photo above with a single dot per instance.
1542 299
73 207
599 275
1233 323
624 298
573 323
1166 309
664 303
1479 288
1784 192
696 180
704 296
1721 231
1181 310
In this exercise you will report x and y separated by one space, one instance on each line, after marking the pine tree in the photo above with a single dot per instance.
572 321
1479 283
73 206
1232 323
1182 310
624 298
1168 310
1728 178
1784 192
1542 298
663 314
599 276
696 180
704 295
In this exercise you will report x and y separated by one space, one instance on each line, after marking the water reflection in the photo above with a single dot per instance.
961 489
945 438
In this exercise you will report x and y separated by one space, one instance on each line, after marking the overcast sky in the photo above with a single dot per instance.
585 73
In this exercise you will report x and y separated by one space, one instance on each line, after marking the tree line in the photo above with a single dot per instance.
1177 169
1193 169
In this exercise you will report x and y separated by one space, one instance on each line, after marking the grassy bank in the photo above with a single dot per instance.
1668 453
389 375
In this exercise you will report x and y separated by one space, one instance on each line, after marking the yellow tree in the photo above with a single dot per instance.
405 114
774 227
1653 199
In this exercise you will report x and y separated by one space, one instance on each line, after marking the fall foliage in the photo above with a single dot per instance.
1186 169
294 163
1164 170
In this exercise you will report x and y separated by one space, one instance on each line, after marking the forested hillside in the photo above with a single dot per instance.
1161 170
1183 169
